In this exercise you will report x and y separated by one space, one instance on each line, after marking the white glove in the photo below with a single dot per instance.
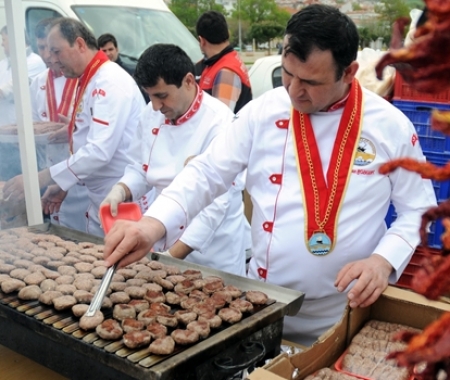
116 195
165 253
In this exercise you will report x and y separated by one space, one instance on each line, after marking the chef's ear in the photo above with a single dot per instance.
350 72
189 79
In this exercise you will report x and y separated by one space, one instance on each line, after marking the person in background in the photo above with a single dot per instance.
52 96
35 66
108 44
9 152
177 126
221 73
312 150
104 119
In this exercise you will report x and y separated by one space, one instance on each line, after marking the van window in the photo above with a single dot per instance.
276 77
33 16
138 28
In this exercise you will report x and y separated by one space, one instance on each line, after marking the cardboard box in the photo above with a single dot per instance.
394 305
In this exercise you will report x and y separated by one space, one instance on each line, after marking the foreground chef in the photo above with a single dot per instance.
312 150
177 125
107 107
52 96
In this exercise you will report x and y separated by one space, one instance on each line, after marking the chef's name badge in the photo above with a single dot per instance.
319 244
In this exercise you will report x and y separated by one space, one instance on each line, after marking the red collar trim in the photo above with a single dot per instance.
195 106
339 104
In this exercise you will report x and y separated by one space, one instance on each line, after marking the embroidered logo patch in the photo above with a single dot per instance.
365 152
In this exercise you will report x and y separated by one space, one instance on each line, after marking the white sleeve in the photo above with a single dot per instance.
411 196
34 89
210 175
109 119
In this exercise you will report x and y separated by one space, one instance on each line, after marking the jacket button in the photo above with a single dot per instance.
262 272
276 179
181 227
282 124
144 167
155 131
268 226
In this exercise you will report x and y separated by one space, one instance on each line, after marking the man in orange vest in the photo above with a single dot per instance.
221 73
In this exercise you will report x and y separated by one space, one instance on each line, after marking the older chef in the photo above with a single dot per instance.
52 96
178 124
107 107
312 150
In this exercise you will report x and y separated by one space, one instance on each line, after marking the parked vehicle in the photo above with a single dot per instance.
136 24
265 74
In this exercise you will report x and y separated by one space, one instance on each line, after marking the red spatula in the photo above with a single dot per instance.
127 211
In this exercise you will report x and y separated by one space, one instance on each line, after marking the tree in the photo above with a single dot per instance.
392 10
264 31
188 11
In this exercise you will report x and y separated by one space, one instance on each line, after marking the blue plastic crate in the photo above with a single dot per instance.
442 191
420 114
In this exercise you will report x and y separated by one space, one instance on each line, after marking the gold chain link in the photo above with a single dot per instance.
322 224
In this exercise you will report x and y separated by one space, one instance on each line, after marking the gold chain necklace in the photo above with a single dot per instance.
321 224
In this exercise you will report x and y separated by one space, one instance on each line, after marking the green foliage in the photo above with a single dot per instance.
356 7
188 11
264 31
392 10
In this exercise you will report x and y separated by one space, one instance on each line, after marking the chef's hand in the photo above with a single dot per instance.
115 196
372 276
14 188
52 199
130 241
59 136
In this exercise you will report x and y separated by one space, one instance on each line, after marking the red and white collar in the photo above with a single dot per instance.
338 104
195 106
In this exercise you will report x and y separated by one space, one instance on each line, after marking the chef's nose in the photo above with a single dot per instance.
156 104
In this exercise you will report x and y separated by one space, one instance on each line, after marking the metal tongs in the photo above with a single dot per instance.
97 300
129 211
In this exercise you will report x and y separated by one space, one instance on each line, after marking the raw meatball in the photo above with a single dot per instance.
201 327
185 316
139 305
19 273
65 279
64 302
30 292
157 330
162 346
48 296
230 315
48 284
12 285
90 323
83 267
83 296
66 289
79 310
122 311
131 324
135 292
242 305
67 270
136 339
109 330
256 297
119 297
184 337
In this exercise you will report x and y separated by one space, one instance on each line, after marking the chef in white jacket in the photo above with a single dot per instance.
107 107
52 97
177 125
312 150
35 65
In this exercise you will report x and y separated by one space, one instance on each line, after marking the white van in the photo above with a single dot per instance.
136 24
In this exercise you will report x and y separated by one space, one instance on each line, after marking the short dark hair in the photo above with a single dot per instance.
71 29
323 27
163 61
213 27
105 38
42 28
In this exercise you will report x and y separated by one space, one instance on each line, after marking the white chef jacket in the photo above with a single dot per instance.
73 210
261 140
35 65
106 121
217 234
